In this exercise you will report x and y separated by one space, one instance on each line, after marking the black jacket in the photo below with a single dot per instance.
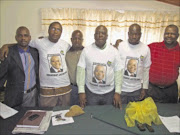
11 69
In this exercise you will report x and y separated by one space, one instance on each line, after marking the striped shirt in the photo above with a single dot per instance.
28 66
164 70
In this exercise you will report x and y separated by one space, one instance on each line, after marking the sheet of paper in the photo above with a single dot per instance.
6 111
58 118
171 123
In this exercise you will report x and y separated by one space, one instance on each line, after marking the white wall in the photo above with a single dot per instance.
16 13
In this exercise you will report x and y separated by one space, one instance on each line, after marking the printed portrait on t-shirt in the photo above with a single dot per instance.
55 63
131 67
99 73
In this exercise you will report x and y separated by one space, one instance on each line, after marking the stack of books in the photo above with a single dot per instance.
33 121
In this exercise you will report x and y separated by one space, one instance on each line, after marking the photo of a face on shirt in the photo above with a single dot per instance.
55 63
99 73
131 67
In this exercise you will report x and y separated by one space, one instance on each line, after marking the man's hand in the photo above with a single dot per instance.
82 99
143 94
117 101
41 37
4 52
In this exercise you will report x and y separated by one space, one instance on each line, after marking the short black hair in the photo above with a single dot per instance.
55 23
176 27
76 31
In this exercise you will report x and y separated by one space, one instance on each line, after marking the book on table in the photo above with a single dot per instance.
32 119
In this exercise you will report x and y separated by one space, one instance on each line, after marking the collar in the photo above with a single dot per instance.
22 51
72 50
174 48
130 73
98 80
102 47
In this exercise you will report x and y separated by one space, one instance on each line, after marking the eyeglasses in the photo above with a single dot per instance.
55 29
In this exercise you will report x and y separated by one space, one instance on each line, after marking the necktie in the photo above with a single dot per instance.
27 69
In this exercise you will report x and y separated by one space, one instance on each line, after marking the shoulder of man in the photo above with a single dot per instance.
12 46
12 49
123 44
63 42
154 43
88 47
33 49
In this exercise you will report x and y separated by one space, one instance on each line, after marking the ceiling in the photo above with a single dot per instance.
173 2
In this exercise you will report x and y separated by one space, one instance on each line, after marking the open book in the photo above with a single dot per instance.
31 118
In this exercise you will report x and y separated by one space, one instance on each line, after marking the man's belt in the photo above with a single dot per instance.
29 90
162 87
50 91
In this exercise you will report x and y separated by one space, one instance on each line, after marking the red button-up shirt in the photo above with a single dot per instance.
165 65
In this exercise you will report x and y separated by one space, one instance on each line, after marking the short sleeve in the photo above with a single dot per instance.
33 43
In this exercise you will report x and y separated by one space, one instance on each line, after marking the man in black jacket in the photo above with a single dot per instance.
21 71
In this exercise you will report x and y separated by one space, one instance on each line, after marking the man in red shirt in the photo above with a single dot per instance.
164 70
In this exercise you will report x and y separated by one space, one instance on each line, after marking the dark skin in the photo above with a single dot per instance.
55 31
77 39
118 41
134 35
170 39
170 36
100 37
23 37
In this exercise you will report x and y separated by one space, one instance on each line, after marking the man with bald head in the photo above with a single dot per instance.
136 59
54 87
72 58
21 71
104 54
164 70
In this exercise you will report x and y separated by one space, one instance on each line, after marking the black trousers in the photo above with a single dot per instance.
163 95
99 99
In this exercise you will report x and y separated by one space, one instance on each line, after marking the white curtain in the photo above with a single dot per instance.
86 20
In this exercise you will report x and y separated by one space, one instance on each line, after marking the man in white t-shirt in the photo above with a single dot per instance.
54 86
136 59
104 56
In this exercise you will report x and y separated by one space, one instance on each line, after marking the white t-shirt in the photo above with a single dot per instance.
107 60
139 56
50 52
